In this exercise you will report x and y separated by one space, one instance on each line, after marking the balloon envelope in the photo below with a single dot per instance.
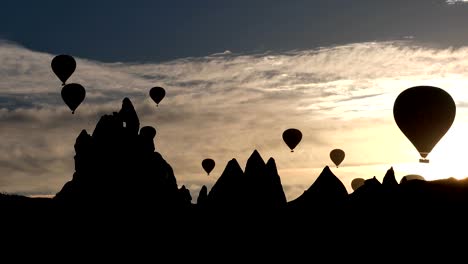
411 177
356 183
63 66
73 94
157 94
424 114
292 137
148 132
208 165
337 156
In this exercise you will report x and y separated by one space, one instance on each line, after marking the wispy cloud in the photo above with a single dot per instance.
452 2
224 106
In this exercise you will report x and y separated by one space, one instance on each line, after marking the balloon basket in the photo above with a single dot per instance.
423 160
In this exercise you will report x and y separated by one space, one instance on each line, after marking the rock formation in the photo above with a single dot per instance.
259 187
327 192
117 166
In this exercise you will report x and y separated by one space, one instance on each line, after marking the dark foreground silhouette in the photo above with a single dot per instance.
122 186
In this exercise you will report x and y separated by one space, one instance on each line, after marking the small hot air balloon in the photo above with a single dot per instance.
208 165
63 66
411 177
356 183
157 94
424 114
148 132
73 94
292 137
337 156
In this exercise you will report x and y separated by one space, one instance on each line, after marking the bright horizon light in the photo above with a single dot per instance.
228 105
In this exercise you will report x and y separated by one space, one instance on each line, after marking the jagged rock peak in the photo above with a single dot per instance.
278 197
202 195
328 182
83 141
327 189
254 163
232 173
116 160
129 116
271 164
327 177
255 156
327 171
372 182
233 165
389 178
226 192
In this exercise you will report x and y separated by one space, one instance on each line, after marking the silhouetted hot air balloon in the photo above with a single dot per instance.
292 137
411 177
337 156
424 114
63 66
208 165
148 132
356 183
73 94
157 94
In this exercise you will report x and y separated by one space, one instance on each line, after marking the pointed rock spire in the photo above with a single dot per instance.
326 191
226 192
129 116
83 142
202 196
389 179
255 164
277 198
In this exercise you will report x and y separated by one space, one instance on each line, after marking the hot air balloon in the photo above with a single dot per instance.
424 114
292 137
411 177
63 66
337 156
157 94
208 165
148 132
356 183
73 94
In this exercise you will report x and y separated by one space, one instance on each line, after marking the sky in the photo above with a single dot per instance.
236 74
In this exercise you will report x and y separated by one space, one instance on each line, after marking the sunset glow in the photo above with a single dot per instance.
230 91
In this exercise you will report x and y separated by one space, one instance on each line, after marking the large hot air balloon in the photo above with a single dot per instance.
208 165
424 114
63 66
356 183
73 94
157 94
292 137
337 156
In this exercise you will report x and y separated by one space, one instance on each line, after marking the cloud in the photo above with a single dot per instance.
452 2
224 106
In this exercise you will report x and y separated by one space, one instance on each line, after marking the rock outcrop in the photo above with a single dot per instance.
327 192
117 166
258 187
